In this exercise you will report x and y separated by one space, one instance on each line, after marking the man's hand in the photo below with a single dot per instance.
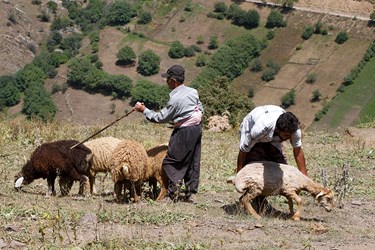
139 106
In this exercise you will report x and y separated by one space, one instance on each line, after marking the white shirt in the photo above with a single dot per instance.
259 126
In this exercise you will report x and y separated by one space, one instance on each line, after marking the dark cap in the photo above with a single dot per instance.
175 70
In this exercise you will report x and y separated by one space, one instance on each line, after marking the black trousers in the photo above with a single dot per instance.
183 159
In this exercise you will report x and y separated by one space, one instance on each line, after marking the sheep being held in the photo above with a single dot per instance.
271 178
53 159
130 164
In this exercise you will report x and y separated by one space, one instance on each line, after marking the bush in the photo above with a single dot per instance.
9 93
311 78
288 99
144 17
256 65
308 32
315 96
275 20
268 75
126 55
149 63
177 50
189 52
341 37
201 61
214 43
270 34
152 95
221 7
200 39
120 13
38 103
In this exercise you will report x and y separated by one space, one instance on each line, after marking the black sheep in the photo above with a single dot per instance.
53 159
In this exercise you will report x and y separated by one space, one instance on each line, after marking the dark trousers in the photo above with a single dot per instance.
183 159
264 151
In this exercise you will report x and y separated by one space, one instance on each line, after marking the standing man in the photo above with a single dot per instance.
185 110
262 132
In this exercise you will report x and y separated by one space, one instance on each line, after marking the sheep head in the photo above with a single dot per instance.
325 199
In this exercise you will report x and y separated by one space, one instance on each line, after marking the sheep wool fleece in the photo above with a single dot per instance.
183 159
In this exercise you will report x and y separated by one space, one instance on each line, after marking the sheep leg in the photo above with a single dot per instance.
246 201
92 184
83 180
297 214
65 185
163 190
163 181
51 186
118 190
290 203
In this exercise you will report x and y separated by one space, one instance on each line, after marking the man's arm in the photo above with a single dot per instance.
299 156
241 159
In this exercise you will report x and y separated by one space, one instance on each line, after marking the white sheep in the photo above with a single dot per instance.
270 178
102 149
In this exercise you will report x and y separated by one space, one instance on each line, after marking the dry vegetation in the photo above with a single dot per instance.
30 220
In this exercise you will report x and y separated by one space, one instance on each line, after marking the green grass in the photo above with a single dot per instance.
360 94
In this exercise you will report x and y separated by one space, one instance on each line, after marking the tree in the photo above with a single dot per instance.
308 32
341 37
251 20
201 61
256 65
71 44
38 103
148 63
119 84
177 50
52 6
120 12
29 75
311 78
220 7
315 96
9 93
214 42
153 95
126 55
144 17
288 99
275 20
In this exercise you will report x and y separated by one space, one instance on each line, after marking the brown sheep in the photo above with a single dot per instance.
130 163
271 178
53 159
156 156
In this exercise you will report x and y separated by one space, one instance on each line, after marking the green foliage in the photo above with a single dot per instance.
200 39
94 36
372 16
60 23
148 63
52 6
318 28
256 65
45 62
54 40
201 61
9 93
29 75
189 51
71 44
153 95
219 96
321 112
144 17
120 12
341 37
308 32
82 73
214 42
275 20
38 103
120 84
268 75
221 7
249 19
311 78
126 55
270 34
177 50
44 16
288 99
316 96
288 3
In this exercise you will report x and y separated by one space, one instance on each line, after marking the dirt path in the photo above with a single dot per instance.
343 8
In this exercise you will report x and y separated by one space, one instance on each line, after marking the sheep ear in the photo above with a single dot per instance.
18 182
319 195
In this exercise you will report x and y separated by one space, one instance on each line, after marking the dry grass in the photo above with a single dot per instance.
216 222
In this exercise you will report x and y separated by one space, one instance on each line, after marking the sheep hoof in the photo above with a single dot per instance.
296 218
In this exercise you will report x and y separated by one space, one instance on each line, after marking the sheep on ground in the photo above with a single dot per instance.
102 149
53 159
156 156
271 178
130 164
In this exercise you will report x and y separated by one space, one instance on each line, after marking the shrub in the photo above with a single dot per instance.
126 55
201 61
120 13
315 96
52 6
318 28
288 99
189 52
214 43
308 32
220 7
270 34
149 63
38 103
152 95
256 65
250 92
200 39
311 78
177 50
268 75
275 20
144 17
10 95
341 37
